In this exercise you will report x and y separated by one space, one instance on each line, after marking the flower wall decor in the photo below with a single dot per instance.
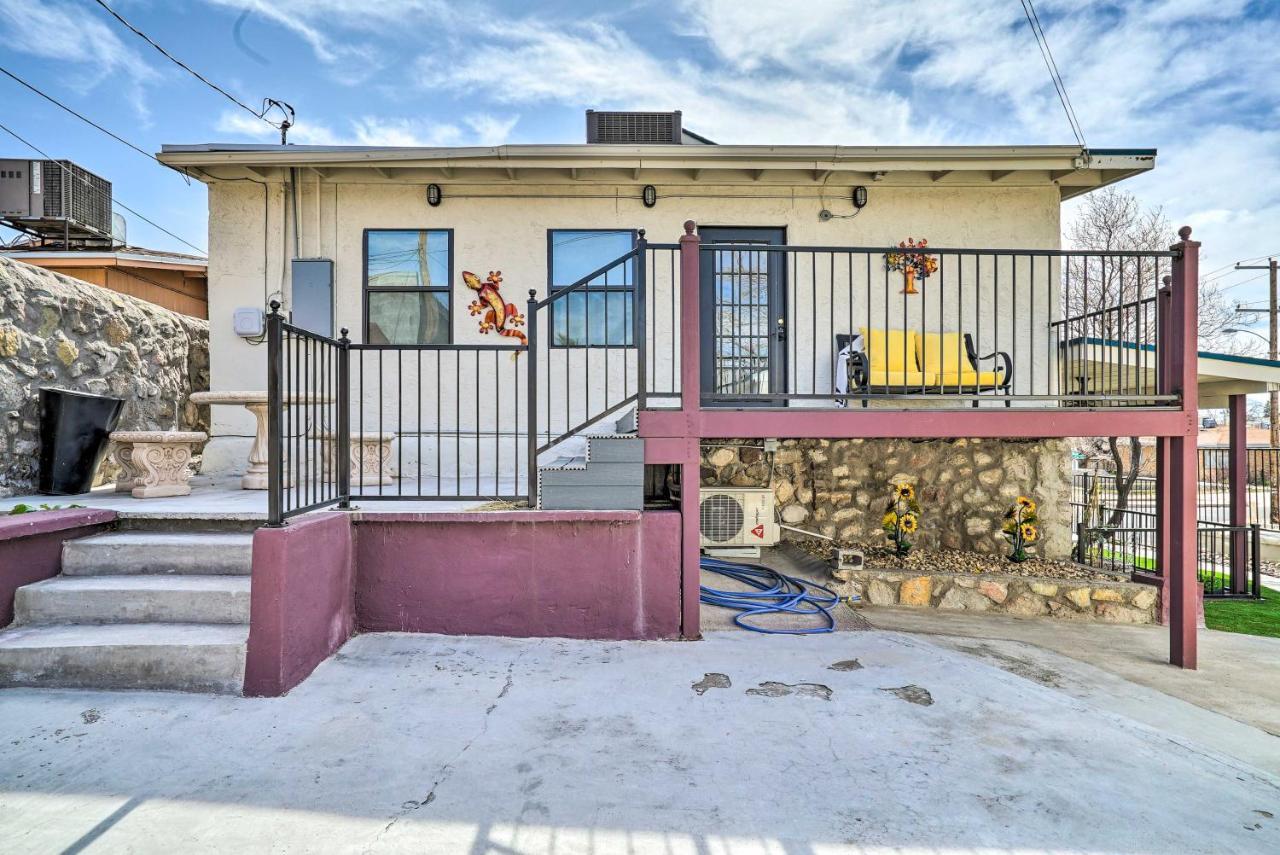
912 263
1020 527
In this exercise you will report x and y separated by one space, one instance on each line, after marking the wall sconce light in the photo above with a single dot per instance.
859 197
649 195
434 195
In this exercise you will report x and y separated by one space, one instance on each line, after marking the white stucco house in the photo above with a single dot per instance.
397 227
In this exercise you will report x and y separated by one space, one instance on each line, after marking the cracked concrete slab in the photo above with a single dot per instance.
418 743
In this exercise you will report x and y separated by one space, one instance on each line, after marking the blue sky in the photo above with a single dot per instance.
1198 79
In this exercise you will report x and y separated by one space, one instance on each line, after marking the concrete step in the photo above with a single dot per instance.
575 497
145 552
178 657
134 599
595 474
615 449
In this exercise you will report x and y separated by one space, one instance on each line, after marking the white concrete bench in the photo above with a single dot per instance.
369 457
154 463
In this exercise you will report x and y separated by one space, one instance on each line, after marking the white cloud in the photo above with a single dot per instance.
480 129
1186 76
71 34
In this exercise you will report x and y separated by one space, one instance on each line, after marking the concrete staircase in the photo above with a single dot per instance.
607 475
136 610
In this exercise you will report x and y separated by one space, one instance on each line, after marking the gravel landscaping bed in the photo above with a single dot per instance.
882 557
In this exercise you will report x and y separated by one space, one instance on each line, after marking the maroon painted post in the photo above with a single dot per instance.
1164 382
1238 469
1180 519
690 406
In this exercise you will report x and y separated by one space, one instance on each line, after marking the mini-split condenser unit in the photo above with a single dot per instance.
740 520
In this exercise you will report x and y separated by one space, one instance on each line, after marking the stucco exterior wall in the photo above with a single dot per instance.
251 239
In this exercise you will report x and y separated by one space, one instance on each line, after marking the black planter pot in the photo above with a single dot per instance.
74 430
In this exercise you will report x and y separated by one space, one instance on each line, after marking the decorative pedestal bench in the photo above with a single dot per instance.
255 477
369 457
155 463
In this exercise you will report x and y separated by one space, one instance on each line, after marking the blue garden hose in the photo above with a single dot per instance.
773 593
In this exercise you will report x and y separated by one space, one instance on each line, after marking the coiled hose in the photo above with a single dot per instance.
772 593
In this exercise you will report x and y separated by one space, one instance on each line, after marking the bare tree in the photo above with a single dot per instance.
1110 291
1113 299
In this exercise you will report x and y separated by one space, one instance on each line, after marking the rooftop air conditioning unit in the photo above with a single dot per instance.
737 521
633 128
55 198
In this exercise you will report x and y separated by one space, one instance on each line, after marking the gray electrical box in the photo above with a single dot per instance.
312 303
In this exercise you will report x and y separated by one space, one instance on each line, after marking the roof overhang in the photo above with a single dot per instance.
107 259
1071 169
1125 365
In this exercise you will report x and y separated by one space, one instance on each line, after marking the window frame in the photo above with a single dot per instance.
552 288
365 290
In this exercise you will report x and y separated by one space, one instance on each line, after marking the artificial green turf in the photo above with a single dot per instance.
1251 617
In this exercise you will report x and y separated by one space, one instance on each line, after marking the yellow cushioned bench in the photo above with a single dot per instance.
923 362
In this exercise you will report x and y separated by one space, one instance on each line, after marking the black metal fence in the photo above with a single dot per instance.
1123 540
1213 487
790 324
306 418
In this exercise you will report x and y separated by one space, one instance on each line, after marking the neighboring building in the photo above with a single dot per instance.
173 280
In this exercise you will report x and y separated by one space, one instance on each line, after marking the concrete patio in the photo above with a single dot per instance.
739 743
221 498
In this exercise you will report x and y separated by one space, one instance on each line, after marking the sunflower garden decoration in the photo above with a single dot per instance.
1021 527
901 517
912 263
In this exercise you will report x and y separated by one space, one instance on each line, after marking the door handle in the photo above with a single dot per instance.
781 332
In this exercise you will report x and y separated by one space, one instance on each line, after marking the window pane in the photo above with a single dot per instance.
581 312
579 318
408 317
574 254
408 259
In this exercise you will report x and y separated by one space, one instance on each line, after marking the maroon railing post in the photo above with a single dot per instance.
690 406
1238 469
1180 519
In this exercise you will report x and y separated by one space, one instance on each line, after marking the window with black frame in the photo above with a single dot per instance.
600 314
407 276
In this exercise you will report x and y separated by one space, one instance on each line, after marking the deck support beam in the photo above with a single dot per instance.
1177 524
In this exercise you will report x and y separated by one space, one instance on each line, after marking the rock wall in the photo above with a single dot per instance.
58 331
839 487
1111 602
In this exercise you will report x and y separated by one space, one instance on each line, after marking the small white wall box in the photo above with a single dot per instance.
248 321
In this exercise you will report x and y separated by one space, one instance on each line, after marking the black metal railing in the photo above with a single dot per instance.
306 376
790 325
1228 557
592 351
1213 487
446 420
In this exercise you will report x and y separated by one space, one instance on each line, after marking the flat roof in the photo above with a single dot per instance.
1074 170
128 256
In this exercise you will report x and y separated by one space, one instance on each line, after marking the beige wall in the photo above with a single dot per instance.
509 232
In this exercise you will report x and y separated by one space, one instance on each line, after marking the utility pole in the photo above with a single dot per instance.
1274 396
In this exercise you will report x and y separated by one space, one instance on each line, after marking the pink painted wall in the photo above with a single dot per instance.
31 547
301 608
572 574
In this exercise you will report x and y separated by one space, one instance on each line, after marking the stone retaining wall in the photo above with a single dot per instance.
1072 599
839 487
59 331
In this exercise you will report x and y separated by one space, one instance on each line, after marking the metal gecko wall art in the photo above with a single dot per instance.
496 313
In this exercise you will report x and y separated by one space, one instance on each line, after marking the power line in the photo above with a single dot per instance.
114 201
92 123
267 103
1059 85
